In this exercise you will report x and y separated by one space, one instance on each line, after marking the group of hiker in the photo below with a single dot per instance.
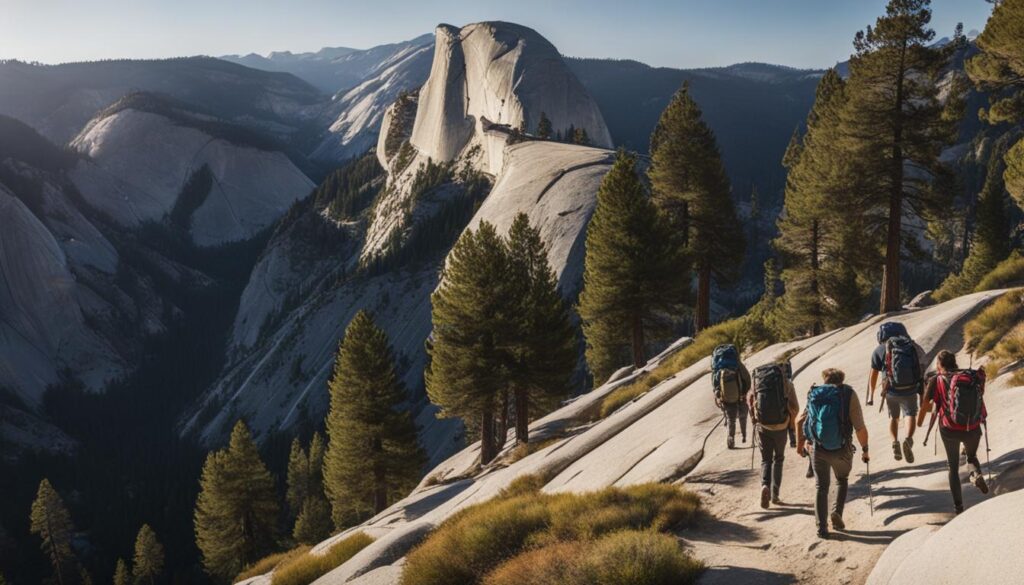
824 430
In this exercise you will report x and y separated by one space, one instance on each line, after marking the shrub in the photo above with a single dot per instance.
1009 272
624 558
309 567
477 540
524 484
732 331
984 332
268 563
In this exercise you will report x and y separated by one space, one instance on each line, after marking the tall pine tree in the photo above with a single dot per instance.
373 457
471 313
895 127
999 70
633 271
544 127
689 182
148 561
51 522
307 502
236 512
542 351
122 576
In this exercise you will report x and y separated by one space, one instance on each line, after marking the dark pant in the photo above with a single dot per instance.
952 440
773 453
840 463
733 411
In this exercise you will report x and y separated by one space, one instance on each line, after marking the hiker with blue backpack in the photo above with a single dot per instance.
902 362
958 397
730 383
773 410
831 417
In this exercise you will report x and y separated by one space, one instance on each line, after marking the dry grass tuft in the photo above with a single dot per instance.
308 567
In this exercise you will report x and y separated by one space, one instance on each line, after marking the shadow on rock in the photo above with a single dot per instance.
729 575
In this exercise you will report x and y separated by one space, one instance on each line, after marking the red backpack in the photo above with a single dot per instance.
959 397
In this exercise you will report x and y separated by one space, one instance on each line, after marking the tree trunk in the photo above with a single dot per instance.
522 404
487 436
638 342
380 486
702 313
890 300
817 326
501 432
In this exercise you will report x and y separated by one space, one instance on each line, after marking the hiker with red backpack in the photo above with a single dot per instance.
773 410
902 362
958 396
831 417
730 382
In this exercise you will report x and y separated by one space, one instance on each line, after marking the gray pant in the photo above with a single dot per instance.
732 411
840 463
773 453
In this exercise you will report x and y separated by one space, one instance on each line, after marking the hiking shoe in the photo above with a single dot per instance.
907 453
731 442
977 479
823 534
896 451
957 510
810 471
776 501
837 521
765 495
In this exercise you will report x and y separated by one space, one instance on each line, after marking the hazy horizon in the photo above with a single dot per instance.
684 33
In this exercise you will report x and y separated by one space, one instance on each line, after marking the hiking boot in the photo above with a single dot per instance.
896 451
823 533
837 521
731 442
765 495
957 510
978 480
810 471
907 453
776 501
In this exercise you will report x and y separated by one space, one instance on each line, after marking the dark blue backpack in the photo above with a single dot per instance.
725 357
891 329
828 416
725 365
902 368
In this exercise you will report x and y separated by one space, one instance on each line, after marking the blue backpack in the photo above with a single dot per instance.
891 329
725 364
828 416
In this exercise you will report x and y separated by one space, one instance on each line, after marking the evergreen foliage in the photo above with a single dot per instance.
580 136
307 504
544 127
236 512
122 576
373 457
894 128
633 271
51 522
690 184
148 562
349 190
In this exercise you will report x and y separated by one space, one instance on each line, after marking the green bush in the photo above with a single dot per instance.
1009 272
471 544
984 332
268 563
308 567
624 558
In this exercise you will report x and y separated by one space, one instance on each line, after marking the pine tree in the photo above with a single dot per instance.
580 136
999 70
148 562
298 478
314 521
236 512
307 502
819 229
893 121
544 127
122 576
51 522
373 457
633 271
689 182
543 348
471 315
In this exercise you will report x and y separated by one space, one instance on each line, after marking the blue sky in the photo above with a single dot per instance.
675 33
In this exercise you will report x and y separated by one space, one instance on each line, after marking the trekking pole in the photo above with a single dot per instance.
753 446
988 456
871 497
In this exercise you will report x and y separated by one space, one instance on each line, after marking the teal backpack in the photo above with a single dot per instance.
828 416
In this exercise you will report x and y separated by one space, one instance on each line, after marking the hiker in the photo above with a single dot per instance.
958 396
828 421
773 410
731 382
902 361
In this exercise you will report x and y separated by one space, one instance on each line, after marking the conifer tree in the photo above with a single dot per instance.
236 512
894 120
819 230
633 271
307 502
298 478
51 522
314 521
471 316
544 127
148 562
122 576
580 136
544 344
999 70
689 182
373 457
